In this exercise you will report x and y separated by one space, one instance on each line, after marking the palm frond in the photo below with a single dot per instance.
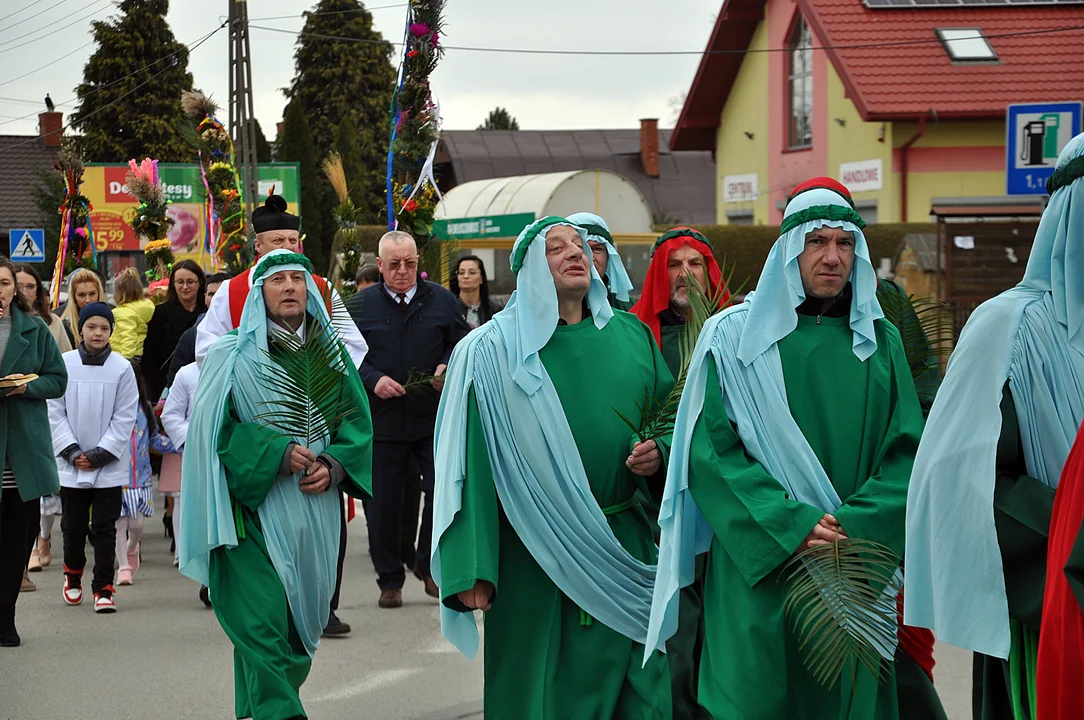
926 327
308 378
841 601
418 380
657 418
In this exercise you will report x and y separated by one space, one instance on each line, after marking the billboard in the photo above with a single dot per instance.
113 207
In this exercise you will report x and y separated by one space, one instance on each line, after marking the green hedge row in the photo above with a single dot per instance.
746 247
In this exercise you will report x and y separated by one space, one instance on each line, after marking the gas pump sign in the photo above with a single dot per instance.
1035 134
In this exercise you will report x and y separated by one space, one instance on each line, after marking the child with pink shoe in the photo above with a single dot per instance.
138 500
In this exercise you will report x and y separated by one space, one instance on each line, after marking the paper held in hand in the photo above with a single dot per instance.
16 379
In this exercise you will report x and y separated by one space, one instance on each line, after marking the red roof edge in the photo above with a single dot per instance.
821 38
699 118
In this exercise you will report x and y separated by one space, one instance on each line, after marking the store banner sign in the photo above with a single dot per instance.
862 176
740 188
113 207
492 226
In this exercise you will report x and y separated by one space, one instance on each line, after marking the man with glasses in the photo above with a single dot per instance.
410 326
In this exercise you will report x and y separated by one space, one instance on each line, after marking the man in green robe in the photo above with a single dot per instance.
537 514
798 427
280 418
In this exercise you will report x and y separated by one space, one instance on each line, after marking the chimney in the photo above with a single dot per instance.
649 146
279 127
51 127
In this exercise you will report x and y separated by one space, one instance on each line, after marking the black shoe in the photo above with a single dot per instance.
205 595
10 638
335 627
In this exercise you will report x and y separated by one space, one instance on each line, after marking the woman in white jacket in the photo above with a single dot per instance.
92 436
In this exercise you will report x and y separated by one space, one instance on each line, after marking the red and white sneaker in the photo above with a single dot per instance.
103 601
73 588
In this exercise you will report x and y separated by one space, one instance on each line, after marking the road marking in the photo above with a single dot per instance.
375 681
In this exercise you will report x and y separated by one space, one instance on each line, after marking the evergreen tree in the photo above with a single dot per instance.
337 79
263 148
48 195
124 117
296 145
346 144
499 119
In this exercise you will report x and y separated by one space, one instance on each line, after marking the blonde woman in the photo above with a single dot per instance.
134 310
84 287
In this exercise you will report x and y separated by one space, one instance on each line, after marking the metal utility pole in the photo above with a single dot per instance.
242 115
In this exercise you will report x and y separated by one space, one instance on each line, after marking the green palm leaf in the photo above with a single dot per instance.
926 327
841 601
657 418
308 378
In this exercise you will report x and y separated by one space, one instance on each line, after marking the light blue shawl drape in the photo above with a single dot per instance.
301 530
1030 336
537 471
616 273
743 343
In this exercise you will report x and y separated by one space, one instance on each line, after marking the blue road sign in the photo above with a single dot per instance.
26 245
1034 135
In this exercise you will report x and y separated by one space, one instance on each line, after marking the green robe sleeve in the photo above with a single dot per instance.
750 513
252 454
1022 509
352 446
470 547
877 510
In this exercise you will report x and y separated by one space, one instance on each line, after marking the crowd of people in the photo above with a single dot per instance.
531 460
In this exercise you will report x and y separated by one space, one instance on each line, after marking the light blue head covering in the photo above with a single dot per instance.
1030 336
537 471
232 369
598 231
530 317
773 313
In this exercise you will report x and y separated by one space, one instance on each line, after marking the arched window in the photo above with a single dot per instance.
800 86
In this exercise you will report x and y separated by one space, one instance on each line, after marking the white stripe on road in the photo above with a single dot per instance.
375 681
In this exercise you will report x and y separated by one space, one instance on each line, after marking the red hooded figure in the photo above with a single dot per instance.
655 296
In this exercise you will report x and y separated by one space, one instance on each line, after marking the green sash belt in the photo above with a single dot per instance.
585 619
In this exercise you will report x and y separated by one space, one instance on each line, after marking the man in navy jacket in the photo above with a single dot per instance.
411 327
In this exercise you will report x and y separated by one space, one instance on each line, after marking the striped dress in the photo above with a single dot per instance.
139 494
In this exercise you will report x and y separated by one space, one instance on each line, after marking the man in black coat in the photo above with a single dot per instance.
411 327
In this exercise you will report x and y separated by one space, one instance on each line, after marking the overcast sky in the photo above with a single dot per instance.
541 91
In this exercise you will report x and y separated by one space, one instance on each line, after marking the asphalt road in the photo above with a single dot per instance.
162 655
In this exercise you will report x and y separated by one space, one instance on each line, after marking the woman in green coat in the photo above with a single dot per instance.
26 446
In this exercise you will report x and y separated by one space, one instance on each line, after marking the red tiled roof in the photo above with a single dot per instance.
889 83
904 81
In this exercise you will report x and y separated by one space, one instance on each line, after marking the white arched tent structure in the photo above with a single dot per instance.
500 204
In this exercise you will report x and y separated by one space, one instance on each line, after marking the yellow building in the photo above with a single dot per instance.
903 101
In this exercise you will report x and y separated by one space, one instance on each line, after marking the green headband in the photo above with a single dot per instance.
822 212
598 231
282 259
686 232
1065 175
529 234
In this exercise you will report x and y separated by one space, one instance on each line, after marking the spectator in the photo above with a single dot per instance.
368 275
469 284
84 287
132 313
185 301
411 327
33 291
186 346
26 348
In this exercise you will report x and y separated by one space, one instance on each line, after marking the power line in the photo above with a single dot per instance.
330 12
654 53
15 24
20 100
54 31
190 47
24 7
54 62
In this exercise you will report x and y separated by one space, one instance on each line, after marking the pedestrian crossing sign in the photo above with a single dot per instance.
27 245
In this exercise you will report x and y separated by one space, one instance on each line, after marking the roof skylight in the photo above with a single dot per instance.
966 44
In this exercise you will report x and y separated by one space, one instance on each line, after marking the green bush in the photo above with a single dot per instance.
746 247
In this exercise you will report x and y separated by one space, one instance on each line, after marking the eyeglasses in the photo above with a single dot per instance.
394 265
186 283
